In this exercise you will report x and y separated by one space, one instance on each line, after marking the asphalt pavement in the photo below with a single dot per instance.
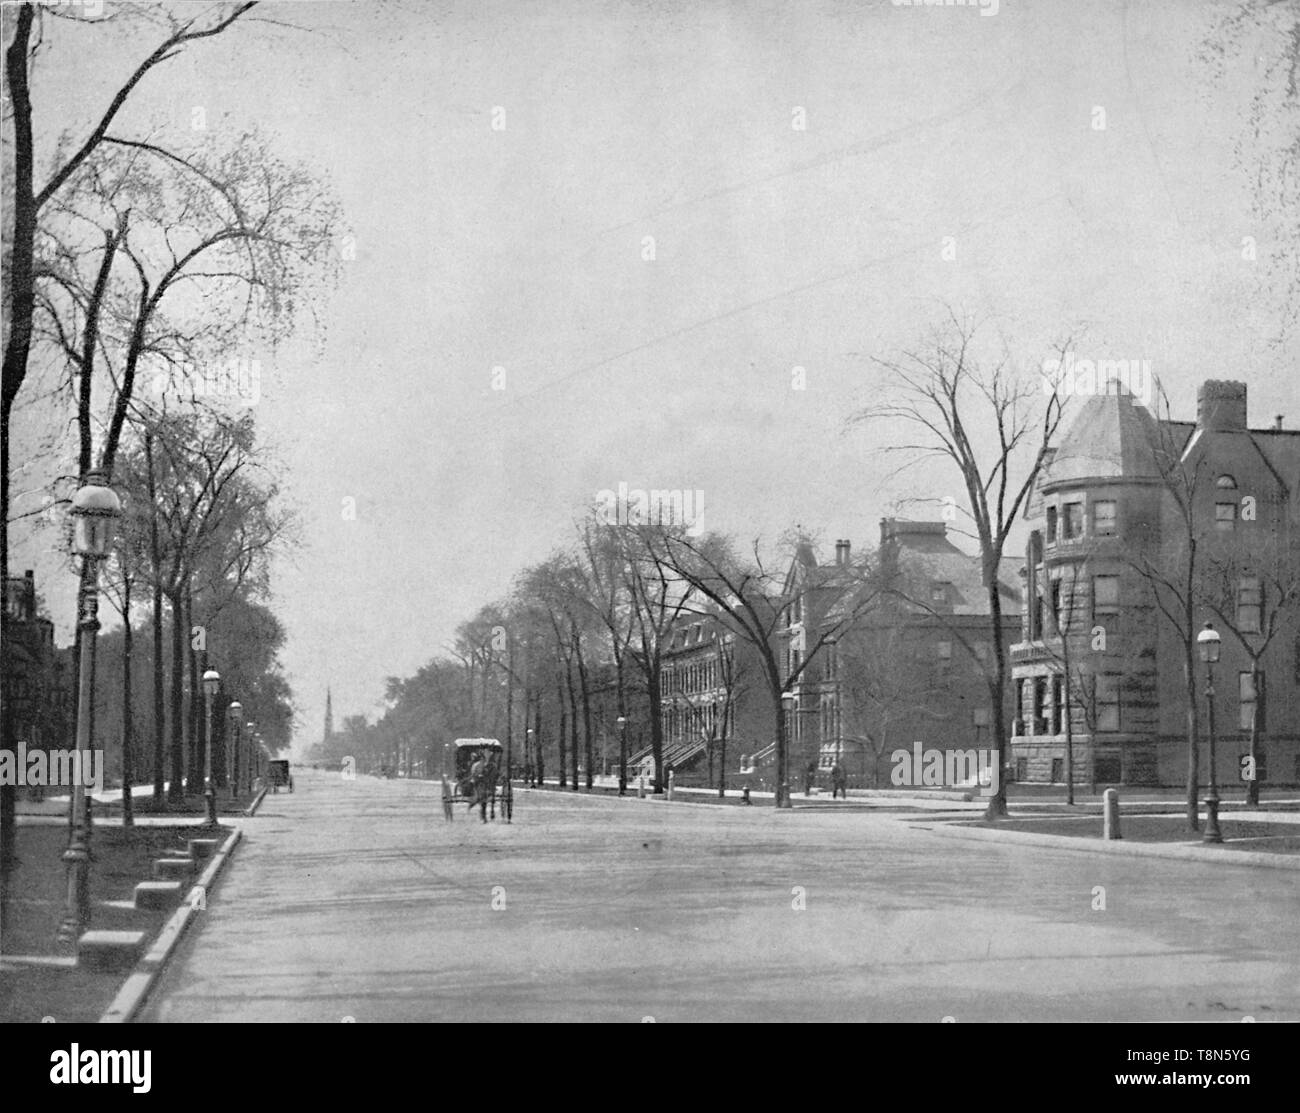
356 900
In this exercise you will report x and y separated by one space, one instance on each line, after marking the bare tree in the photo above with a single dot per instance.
1254 600
1166 556
752 597
995 428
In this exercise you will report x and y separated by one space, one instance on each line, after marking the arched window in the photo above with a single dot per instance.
1226 483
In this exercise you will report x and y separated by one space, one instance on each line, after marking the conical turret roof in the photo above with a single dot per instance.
1112 436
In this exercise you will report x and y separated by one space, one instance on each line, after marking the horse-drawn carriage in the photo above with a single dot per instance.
278 775
491 782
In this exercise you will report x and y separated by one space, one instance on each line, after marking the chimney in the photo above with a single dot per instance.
1221 406
842 552
1277 423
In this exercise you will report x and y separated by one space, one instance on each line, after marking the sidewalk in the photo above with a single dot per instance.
1182 851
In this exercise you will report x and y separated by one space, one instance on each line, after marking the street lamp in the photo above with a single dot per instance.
95 508
1208 643
236 709
254 766
211 683
622 755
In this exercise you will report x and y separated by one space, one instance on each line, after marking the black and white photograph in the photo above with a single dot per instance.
652 511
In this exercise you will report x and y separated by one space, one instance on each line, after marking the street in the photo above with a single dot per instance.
355 899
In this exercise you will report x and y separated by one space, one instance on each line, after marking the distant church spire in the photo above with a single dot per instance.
329 715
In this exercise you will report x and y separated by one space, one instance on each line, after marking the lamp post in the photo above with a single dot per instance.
622 755
236 710
254 769
1208 642
211 683
95 508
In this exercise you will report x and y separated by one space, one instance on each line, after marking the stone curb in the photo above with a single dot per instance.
136 988
257 803
1118 846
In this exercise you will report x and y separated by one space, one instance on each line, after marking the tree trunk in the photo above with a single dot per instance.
656 725
510 719
559 738
586 715
176 791
539 766
722 763
196 707
128 729
1252 785
997 808
1069 735
782 755
573 721
1193 738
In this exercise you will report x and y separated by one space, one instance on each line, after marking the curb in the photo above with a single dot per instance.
1120 847
136 988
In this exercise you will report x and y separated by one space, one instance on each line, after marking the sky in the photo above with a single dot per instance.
680 203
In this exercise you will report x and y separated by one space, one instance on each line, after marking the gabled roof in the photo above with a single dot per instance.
927 560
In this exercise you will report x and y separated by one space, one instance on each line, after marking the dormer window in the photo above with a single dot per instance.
1226 483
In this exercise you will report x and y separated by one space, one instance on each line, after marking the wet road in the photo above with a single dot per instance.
356 899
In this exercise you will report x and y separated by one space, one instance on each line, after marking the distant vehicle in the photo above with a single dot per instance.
467 751
278 774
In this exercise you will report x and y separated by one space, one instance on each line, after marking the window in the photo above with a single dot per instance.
1056 604
1040 705
1106 702
939 593
1249 700
1073 524
1105 595
1103 518
1225 515
1051 524
1022 769
1058 702
1226 483
1250 603
944 650
1058 770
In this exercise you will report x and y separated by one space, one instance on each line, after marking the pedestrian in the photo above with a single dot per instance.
447 810
839 782
809 775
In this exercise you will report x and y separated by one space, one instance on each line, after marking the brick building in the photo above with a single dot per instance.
715 706
38 676
1111 520
914 668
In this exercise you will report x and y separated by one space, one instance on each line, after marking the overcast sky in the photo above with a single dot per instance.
774 247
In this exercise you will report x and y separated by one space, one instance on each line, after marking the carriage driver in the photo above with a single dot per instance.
478 776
